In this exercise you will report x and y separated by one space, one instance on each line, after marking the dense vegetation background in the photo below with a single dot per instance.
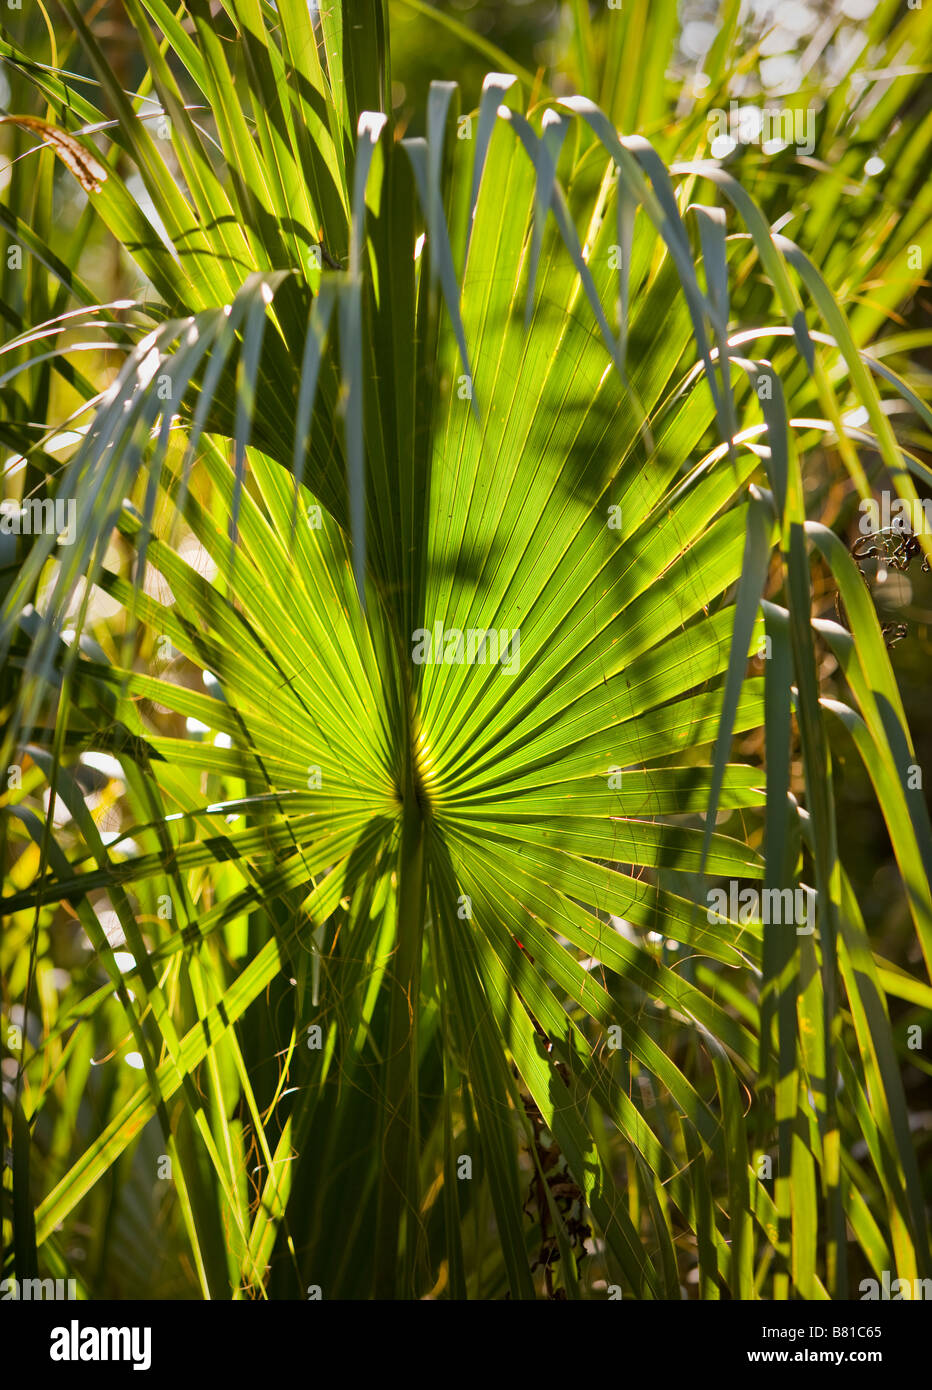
326 972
